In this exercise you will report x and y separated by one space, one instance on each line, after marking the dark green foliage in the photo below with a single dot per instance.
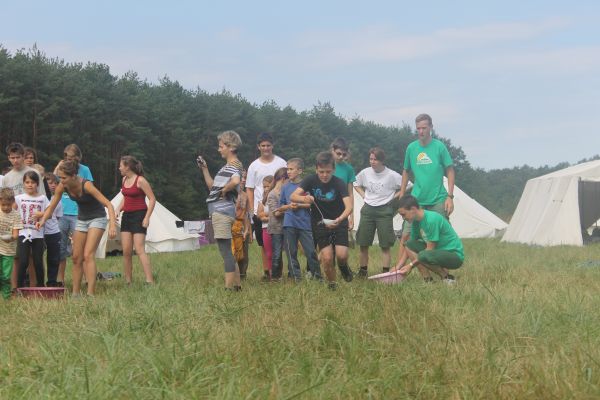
47 103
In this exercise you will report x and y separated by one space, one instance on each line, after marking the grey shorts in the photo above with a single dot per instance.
84 226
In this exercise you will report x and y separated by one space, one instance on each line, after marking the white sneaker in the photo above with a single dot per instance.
449 280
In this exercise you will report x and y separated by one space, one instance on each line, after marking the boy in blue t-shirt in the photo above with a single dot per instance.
297 225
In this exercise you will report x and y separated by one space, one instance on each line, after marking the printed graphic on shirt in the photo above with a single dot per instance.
423 235
423 158
375 187
319 195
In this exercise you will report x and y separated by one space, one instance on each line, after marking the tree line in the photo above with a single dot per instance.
47 103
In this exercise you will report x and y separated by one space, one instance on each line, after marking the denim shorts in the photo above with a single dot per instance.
84 226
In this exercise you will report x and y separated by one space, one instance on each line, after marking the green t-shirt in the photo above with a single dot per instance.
428 164
435 228
345 172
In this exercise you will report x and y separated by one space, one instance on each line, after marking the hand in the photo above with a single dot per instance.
334 225
308 199
201 162
406 269
146 222
112 230
449 205
294 206
40 224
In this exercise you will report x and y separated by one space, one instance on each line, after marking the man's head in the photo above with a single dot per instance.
424 125
7 198
264 142
72 153
295 167
325 166
377 158
16 153
408 207
30 156
229 141
339 149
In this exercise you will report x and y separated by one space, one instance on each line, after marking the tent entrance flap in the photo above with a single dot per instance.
589 202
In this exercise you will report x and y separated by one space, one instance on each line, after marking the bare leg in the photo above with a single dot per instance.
15 273
89 258
79 239
326 256
139 241
363 259
127 245
386 257
61 270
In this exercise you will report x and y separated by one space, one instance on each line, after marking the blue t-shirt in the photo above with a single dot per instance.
69 206
299 218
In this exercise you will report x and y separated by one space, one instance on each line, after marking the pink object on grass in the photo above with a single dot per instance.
388 277
45 292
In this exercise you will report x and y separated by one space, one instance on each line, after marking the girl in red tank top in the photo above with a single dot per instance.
136 216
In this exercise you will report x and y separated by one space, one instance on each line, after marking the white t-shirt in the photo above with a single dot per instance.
51 226
14 181
1 179
27 206
379 187
257 172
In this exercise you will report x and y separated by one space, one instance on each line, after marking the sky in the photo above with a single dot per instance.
511 82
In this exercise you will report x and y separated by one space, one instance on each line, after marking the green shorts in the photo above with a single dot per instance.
380 218
438 208
440 258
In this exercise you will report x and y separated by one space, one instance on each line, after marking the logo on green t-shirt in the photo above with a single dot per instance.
423 159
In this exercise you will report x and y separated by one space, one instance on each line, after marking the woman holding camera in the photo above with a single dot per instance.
221 200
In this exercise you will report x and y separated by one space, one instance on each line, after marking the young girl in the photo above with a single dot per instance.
263 214
275 226
52 236
91 222
31 206
136 215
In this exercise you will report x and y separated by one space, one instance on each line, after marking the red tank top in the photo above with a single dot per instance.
135 198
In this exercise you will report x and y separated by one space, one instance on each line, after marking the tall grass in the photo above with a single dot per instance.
520 323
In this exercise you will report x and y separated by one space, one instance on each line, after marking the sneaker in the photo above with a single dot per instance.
346 273
385 269
363 273
449 280
332 285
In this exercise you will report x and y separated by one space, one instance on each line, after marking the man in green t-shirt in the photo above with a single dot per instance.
433 242
428 160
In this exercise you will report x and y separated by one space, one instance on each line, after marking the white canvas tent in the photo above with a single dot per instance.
470 219
555 208
162 237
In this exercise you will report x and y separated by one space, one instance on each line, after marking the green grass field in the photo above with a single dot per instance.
520 323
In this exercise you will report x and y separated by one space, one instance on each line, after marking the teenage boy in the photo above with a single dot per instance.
433 242
378 186
265 165
296 226
344 170
330 208
14 180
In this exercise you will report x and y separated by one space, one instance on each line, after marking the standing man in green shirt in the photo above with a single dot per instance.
433 243
429 160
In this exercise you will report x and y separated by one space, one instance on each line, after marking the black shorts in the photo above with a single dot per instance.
131 221
257 228
326 237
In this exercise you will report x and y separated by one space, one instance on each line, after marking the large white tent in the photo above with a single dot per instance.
162 237
555 208
470 219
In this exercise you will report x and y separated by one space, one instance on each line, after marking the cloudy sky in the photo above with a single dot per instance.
511 82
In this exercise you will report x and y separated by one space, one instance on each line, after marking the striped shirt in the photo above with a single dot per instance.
215 201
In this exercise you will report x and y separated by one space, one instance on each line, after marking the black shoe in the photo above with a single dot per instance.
346 273
385 269
332 285
428 279
363 273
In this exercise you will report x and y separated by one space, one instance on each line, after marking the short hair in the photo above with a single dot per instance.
7 194
407 202
50 177
296 161
339 143
268 179
325 159
70 168
33 175
378 153
424 117
30 150
264 137
230 139
15 148
73 148
133 164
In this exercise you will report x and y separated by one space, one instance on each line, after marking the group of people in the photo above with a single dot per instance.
274 203
62 213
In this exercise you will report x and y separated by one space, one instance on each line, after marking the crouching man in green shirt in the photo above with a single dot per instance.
433 242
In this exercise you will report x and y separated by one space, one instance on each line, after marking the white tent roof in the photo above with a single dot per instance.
469 219
550 210
163 236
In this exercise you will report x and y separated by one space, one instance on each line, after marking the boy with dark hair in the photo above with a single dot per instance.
344 170
297 225
433 242
330 208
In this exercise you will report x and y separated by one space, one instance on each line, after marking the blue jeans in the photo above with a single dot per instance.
66 225
276 264
292 236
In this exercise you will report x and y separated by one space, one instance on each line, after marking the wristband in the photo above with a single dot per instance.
451 196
